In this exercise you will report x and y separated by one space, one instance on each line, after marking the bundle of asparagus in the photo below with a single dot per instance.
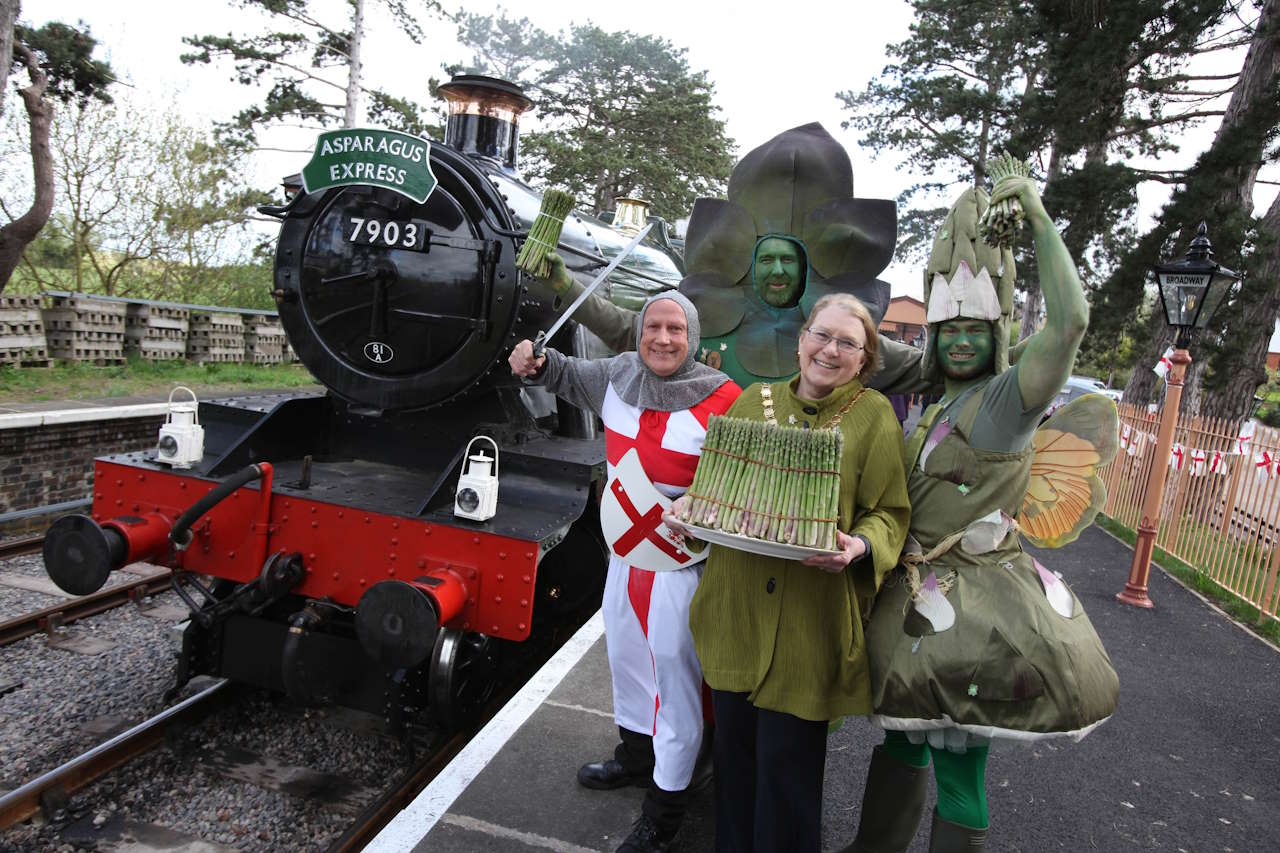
1003 221
544 233
775 483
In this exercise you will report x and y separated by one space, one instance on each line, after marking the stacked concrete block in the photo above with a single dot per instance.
264 339
84 328
215 336
22 332
156 332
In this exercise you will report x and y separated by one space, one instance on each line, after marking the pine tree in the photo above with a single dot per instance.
299 61
621 114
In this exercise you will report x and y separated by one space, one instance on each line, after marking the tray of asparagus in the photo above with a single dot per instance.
767 489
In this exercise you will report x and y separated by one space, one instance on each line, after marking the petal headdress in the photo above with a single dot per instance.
798 184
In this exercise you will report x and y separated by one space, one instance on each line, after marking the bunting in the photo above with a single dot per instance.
1198 462
1264 464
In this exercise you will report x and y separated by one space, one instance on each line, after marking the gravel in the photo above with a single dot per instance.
16 602
65 706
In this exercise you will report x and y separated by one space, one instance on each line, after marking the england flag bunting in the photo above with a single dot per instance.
1162 368
1244 441
1265 464
1197 463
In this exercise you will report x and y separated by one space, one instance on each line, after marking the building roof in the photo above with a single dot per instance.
905 310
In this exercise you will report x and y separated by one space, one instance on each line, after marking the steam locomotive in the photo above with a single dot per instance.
314 537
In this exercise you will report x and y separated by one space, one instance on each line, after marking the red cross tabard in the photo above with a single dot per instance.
643 526
660 463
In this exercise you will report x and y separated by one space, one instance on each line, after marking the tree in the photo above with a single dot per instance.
622 114
1078 88
9 10
950 97
146 206
59 62
1219 188
300 60
504 47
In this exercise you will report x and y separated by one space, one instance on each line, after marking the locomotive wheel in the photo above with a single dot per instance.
573 572
463 675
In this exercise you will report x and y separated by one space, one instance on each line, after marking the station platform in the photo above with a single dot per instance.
1190 761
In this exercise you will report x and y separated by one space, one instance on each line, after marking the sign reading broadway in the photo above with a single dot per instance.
380 158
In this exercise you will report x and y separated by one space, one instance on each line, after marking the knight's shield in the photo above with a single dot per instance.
631 518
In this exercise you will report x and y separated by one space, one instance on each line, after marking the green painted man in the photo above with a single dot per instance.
789 233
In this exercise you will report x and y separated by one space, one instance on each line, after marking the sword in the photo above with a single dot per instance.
540 342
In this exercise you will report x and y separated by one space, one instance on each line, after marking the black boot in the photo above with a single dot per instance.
891 805
632 764
948 837
660 819
645 837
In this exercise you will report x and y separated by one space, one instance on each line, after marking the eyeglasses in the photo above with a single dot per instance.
824 337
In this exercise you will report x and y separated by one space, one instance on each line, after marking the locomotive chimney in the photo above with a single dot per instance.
484 115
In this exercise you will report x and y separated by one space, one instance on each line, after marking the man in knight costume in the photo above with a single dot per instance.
654 404
977 640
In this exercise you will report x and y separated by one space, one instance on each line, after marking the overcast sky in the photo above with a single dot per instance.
773 67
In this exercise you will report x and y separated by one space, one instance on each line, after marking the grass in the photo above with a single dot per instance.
68 381
1234 606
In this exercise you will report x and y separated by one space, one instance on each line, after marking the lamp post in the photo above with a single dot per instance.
1190 291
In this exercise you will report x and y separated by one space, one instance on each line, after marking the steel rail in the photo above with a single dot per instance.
64 613
51 790
21 545
380 812
416 777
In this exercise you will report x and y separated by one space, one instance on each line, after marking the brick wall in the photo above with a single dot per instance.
43 465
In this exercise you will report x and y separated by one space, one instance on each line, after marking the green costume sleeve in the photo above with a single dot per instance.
882 511
610 323
901 371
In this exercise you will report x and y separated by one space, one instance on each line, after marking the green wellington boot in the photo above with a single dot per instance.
891 805
948 837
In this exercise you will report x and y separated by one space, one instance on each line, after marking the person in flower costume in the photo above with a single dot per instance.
789 233
972 638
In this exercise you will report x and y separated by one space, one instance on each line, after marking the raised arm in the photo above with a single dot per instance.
614 325
1047 359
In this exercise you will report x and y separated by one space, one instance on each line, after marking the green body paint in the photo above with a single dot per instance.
966 352
778 270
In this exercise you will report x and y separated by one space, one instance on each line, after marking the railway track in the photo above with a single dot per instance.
50 618
52 790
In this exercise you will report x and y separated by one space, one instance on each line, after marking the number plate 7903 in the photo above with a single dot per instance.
388 233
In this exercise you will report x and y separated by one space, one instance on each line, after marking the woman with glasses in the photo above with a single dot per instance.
781 642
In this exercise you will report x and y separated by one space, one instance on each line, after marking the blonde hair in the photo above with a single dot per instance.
851 304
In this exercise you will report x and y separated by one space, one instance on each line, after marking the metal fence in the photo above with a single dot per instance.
1220 511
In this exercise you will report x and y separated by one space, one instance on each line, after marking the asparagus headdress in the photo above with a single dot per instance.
962 260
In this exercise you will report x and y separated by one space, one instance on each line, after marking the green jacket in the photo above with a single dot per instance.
791 635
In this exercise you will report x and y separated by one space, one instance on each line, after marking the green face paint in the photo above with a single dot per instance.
966 349
779 269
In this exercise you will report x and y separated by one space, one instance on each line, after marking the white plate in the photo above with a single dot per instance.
757 546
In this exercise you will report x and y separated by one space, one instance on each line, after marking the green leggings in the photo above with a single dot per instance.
962 788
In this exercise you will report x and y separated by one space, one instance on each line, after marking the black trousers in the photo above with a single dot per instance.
769 768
